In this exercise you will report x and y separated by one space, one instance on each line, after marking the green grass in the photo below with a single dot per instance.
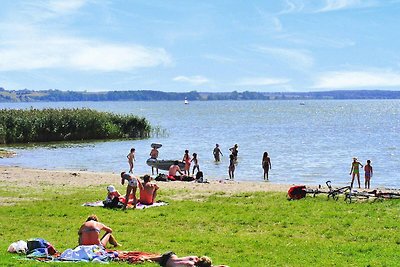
247 229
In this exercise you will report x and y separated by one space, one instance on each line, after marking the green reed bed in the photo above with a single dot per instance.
247 229
46 125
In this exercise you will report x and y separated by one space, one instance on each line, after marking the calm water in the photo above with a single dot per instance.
308 143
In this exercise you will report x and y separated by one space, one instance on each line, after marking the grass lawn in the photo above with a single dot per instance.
247 229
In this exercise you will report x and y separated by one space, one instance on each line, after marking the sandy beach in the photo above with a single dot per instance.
23 177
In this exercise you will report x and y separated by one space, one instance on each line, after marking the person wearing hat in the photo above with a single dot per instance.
355 170
113 197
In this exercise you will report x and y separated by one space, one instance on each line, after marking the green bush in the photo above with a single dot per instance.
34 125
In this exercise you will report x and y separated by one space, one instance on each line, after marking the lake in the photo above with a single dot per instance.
309 142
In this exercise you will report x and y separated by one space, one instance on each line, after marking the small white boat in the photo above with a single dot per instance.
186 101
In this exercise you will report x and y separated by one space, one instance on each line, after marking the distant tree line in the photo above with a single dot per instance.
45 125
26 95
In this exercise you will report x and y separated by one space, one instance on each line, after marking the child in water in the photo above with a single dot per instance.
368 173
131 159
195 162
231 169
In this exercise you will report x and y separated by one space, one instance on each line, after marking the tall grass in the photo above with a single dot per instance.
46 125
246 229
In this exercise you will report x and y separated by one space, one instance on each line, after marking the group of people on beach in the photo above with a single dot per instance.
188 160
355 172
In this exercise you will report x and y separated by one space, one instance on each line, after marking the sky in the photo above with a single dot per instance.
204 46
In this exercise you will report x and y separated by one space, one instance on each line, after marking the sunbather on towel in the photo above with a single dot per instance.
170 259
89 233
149 191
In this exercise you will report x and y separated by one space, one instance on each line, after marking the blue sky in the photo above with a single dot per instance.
207 46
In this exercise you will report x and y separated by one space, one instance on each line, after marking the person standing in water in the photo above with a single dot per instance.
368 173
355 170
131 159
266 164
234 150
216 153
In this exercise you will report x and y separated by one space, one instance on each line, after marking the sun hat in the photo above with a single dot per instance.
111 188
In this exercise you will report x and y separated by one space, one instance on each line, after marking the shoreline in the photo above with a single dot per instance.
16 176
30 177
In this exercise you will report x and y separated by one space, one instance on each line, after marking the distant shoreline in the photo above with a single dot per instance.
25 95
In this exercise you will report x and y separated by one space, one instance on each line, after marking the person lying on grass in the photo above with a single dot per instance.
170 259
89 233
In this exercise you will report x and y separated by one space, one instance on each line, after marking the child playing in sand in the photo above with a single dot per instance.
131 159
231 169
186 159
368 173
355 170
195 162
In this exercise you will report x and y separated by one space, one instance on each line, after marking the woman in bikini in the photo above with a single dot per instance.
355 170
89 233
133 184
186 159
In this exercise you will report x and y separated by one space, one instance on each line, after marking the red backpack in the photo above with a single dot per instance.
297 192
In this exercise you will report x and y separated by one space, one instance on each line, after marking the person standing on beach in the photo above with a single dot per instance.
231 169
154 155
195 161
216 153
266 164
131 159
133 184
186 159
355 170
368 173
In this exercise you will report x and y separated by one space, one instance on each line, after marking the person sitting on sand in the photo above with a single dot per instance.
355 170
89 233
174 169
133 184
149 191
170 259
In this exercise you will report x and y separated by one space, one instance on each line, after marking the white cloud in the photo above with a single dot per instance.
62 6
292 7
261 81
74 53
218 58
194 80
333 5
293 57
357 79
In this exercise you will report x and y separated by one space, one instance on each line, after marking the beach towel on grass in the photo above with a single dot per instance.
139 206
92 253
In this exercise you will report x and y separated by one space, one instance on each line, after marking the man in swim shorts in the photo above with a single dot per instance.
170 259
174 169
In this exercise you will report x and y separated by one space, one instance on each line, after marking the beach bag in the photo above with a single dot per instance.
161 178
297 192
114 203
39 244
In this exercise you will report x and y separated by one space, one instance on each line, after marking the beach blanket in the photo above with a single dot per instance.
87 253
139 205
